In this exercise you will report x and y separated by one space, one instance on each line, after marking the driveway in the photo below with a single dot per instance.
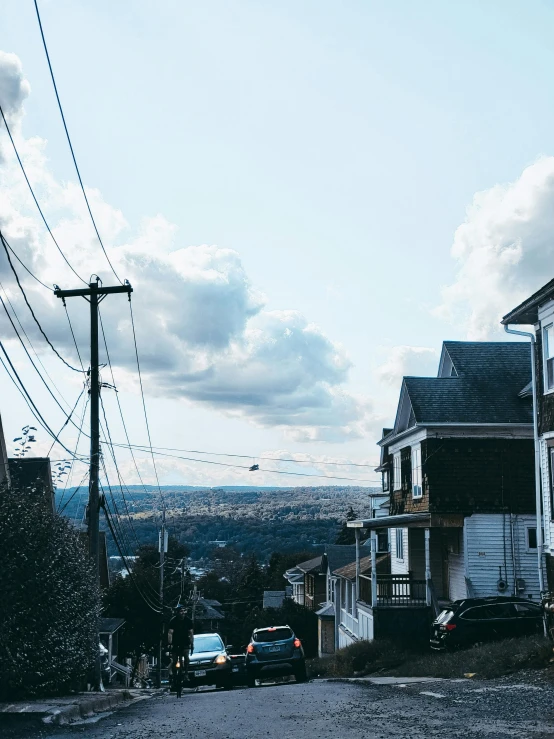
332 710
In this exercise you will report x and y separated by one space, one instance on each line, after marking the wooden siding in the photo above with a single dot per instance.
489 555
457 570
469 475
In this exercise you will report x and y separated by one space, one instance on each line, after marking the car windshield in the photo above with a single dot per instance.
208 643
276 634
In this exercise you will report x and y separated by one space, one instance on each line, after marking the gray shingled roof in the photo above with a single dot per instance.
273 598
110 625
490 376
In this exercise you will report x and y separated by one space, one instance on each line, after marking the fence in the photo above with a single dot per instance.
394 590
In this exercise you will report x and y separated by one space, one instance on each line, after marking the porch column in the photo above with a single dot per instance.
357 589
428 567
373 568
338 605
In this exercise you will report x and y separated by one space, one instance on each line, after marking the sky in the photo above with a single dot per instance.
307 198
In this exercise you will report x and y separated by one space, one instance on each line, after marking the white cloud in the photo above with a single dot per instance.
203 332
504 251
408 360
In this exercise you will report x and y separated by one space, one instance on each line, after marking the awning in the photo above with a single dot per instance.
407 520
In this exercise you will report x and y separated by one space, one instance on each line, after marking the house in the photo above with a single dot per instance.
353 586
459 469
537 313
206 615
276 598
295 578
109 638
319 588
35 475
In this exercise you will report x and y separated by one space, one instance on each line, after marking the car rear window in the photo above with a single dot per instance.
208 643
527 609
277 634
444 616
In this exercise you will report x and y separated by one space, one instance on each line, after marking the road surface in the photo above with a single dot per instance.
333 710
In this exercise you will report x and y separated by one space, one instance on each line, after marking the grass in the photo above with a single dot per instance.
491 660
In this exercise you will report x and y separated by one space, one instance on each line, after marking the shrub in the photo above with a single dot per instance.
362 657
49 601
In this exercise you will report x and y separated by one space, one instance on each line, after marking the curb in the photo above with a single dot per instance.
87 708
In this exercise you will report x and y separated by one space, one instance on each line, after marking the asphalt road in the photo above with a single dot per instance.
333 710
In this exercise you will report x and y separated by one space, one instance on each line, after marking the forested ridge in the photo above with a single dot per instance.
254 520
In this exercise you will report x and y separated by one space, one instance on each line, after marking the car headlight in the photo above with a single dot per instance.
221 659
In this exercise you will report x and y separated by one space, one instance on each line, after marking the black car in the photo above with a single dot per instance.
274 650
210 664
473 620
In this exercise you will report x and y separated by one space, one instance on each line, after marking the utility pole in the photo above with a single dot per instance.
94 294
162 545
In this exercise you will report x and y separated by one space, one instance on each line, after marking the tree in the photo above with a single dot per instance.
136 597
346 535
279 563
50 600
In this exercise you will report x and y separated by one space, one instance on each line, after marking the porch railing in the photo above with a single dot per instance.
394 590
348 620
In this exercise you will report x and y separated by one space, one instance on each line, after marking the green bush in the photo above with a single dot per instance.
486 661
49 602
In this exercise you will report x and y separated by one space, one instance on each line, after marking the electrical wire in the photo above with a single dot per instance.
56 352
26 396
27 268
118 401
69 142
143 399
37 204
76 447
129 571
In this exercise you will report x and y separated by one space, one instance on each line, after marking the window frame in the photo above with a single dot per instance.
386 480
397 468
548 387
399 544
417 472
550 452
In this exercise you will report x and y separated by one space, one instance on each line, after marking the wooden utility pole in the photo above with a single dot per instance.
94 294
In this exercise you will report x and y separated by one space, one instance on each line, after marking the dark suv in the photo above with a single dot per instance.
274 651
473 620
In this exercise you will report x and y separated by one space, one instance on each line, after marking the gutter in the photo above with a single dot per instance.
538 494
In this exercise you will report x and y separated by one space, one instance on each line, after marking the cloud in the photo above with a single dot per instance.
203 331
504 251
407 360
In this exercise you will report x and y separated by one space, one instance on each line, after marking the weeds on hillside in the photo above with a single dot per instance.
485 661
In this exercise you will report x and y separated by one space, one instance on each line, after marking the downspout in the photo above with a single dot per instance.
538 496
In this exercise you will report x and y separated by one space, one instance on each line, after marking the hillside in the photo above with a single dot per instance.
259 520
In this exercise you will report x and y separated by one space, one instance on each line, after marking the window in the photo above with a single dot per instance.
551 466
528 610
279 633
417 490
385 481
548 354
383 540
531 538
396 472
399 543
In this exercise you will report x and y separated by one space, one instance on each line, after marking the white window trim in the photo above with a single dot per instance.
544 328
416 449
397 466
400 559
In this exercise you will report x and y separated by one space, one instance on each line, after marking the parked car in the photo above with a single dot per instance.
274 650
473 620
210 664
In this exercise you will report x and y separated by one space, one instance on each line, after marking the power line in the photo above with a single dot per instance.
69 142
24 392
76 447
143 399
273 459
27 268
37 204
56 352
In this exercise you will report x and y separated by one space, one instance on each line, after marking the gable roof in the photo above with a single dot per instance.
311 564
527 312
481 384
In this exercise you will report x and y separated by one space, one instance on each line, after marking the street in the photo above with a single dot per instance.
494 709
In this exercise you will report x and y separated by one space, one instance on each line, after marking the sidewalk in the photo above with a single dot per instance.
66 710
